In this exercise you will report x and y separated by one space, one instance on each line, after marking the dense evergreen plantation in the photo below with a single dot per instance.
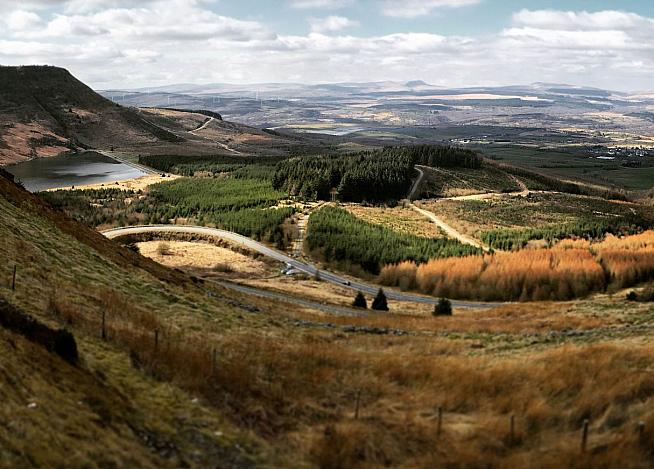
206 195
509 239
238 166
342 237
374 176
245 206
240 205
95 207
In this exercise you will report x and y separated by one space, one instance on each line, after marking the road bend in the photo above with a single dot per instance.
300 266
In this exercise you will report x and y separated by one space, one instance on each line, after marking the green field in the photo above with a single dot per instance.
445 182
573 165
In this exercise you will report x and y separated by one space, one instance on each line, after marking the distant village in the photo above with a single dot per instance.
605 153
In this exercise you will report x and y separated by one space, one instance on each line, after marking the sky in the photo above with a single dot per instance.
452 43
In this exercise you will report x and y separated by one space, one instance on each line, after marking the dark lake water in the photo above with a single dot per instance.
71 170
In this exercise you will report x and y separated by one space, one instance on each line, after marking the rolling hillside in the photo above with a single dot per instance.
45 111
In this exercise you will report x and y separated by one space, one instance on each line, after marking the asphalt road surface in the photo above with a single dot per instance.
309 269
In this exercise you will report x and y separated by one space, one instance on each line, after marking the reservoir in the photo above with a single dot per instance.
71 170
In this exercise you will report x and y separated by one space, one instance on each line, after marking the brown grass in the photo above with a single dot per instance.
204 257
300 394
572 269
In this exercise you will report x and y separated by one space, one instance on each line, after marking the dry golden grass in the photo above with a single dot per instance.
136 184
539 274
301 394
291 386
403 220
204 256
571 269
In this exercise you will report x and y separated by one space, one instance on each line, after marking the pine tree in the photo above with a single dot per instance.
360 301
443 308
380 303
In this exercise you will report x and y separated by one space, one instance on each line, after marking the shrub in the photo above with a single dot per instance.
443 307
163 249
360 301
224 268
65 346
380 303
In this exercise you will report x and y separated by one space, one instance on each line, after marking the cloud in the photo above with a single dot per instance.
608 32
145 43
164 20
415 8
320 4
21 20
583 20
331 23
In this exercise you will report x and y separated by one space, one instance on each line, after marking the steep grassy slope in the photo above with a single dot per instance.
106 411
45 110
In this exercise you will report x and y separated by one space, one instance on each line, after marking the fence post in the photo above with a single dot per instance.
104 328
641 432
439 428
214 352
584 436
13 279
512 428
356 405
156 340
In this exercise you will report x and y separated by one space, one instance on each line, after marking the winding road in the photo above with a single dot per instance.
281 257
203 126
447 229
220 144
416 184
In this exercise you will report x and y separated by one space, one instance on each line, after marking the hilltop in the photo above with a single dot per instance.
45 111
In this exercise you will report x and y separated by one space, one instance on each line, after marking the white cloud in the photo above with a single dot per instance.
21 20
583 20
415 8
331 23
320 4
167 41
165 20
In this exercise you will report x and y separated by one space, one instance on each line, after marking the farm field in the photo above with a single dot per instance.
208 259
573 165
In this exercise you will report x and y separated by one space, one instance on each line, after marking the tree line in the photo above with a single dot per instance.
510 239
342 237
189 165
245 206
373 176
